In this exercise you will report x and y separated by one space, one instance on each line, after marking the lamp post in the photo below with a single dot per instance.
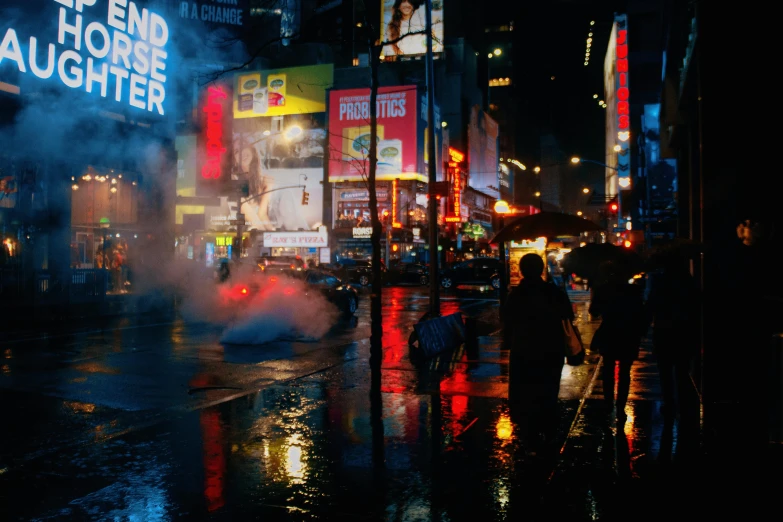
501 209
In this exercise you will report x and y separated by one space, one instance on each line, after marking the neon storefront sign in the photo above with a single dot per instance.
215 149
454 213
395 218
113 49
622 93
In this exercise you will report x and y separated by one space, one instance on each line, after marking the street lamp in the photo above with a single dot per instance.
501 209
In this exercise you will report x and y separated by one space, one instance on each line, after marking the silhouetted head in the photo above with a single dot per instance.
531 266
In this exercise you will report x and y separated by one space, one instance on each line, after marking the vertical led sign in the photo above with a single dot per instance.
622 95
215 139
453 214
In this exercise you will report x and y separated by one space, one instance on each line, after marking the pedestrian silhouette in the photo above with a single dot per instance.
533 328
623 322
673 305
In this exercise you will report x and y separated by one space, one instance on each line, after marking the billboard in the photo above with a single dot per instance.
278 92
349 134
403 25
483 151
115 52
280 164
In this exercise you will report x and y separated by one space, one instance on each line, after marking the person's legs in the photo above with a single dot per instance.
623 386
666 375
549 410
607 376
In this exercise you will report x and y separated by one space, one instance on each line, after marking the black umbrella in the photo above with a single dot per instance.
587 261
544 224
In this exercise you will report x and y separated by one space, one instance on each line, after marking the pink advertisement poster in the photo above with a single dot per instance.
349 134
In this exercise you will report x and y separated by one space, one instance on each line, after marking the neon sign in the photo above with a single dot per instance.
455 158
623 109
215 149
395 221
126 60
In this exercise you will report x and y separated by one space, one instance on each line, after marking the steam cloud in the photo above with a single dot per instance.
274 307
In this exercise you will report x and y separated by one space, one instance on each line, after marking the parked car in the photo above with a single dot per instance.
354 271
344 296
476 271
410 273
278 264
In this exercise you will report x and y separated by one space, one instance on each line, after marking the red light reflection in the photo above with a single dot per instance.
214 459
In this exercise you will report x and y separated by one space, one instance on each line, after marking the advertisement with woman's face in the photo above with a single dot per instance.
279 168
404 27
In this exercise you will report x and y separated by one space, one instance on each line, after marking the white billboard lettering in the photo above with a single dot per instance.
91 55
390 105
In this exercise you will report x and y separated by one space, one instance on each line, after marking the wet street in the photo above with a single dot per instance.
159 421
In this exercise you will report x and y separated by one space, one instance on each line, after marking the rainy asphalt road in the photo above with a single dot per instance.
161 422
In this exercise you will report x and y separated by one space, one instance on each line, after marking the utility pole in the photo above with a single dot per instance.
432 207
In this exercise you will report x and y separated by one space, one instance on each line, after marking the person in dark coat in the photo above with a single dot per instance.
620 306
674 306
532 320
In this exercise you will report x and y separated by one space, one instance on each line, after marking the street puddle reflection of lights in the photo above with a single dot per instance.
295 465
79 407
504 429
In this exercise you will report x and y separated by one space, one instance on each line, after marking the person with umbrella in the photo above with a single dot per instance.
620 306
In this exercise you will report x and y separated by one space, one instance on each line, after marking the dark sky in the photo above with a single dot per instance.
553 40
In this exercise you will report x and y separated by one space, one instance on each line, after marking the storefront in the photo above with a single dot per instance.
311 245
355 243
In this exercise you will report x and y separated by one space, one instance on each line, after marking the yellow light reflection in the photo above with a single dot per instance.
294 465
504 429
79 407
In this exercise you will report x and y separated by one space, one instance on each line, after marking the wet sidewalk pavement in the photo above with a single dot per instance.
439 445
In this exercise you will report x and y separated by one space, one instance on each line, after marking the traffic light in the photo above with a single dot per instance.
613 206
305 197
244 189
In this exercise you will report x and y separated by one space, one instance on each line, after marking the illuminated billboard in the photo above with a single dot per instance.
112 50
349 134
403 24
283 167
278 92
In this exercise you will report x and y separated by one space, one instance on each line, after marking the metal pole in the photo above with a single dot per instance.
503 268
388 241
240 222
432 207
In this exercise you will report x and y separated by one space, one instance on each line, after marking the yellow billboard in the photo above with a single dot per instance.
277 92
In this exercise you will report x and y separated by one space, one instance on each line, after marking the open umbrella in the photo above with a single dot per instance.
586 261
544 224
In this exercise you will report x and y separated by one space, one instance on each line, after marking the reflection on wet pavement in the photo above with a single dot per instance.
291 432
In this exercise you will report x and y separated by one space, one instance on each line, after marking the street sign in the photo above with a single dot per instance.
440 188
236 221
